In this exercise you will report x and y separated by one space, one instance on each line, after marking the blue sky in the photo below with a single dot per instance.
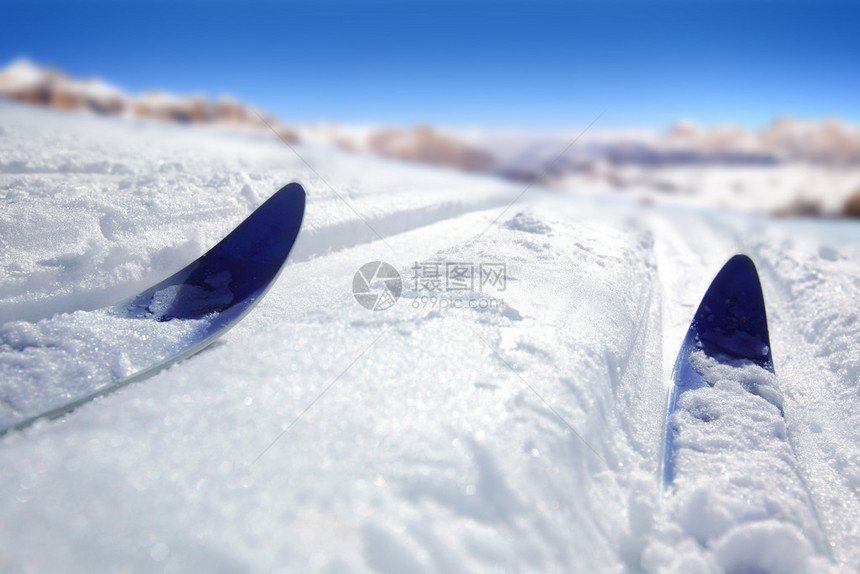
533 65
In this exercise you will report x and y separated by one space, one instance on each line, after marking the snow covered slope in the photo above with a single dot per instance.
476 429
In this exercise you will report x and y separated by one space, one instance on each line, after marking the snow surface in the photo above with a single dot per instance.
46 364
733 434
435 435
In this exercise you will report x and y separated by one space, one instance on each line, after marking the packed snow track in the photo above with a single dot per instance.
496 425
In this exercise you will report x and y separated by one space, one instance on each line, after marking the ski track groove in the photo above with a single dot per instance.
782 308
774 283
783 318
671 252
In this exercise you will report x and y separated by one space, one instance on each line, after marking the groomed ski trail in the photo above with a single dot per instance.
819 411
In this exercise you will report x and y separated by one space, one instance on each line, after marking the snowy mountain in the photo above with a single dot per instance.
789 168
531 156
24 81
487 426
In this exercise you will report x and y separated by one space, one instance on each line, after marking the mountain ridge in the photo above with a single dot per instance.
24 81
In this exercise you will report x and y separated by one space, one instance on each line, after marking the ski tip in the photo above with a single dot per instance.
295 190
291 201
731 320
267 235
228 279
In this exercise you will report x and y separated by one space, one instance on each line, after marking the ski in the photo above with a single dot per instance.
725 423
210 295
730 323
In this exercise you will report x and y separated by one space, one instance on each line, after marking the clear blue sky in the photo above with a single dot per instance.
533 65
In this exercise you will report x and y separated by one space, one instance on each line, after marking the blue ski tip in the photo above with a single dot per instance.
220 287
730 323
731 320
231 277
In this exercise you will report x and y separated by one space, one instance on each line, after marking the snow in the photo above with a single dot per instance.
732 435
754 189
44 364
320 436
22 74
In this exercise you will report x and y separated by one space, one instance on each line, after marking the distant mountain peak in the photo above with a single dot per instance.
25 81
